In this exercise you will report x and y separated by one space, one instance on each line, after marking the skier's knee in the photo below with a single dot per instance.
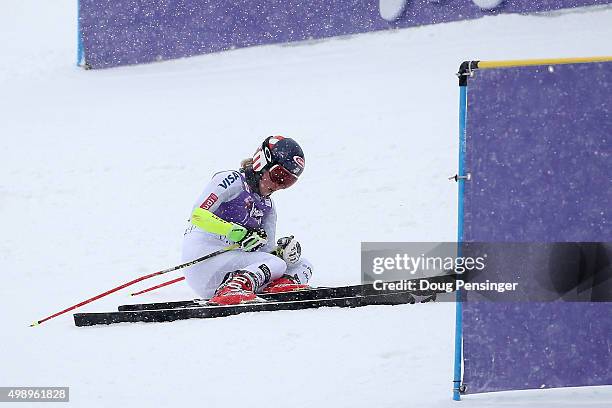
268 270
301 271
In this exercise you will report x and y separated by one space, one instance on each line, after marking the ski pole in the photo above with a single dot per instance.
108 292
166 283
161 285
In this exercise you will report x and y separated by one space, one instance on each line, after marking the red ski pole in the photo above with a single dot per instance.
164 284
161 285
108 292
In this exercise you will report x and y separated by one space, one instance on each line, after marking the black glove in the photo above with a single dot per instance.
253 240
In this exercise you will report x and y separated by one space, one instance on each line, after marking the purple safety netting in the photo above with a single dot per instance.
139 31
539 151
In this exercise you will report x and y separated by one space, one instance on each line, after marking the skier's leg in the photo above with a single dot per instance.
249 272
296 277
301 271
205 277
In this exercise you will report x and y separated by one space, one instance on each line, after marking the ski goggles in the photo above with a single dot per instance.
281 176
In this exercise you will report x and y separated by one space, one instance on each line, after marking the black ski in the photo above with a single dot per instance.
310 294
204 312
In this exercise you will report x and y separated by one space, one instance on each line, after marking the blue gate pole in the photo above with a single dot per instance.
79 39
461 185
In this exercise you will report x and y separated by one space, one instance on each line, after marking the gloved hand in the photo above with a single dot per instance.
249 239
289 249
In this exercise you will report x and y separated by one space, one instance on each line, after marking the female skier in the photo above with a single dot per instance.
235 208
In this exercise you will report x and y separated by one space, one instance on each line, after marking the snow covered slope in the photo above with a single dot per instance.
100 169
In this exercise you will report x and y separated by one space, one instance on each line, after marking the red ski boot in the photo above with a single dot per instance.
285 283
235 290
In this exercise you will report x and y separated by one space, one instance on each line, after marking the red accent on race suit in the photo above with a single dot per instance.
210 200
